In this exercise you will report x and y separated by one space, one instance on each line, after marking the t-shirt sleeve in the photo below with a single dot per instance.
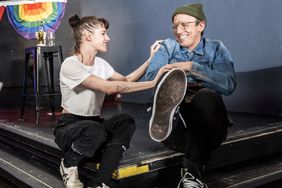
72 74
109 71
103 69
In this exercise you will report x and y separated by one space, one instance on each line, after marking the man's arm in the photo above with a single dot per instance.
160 59
220 76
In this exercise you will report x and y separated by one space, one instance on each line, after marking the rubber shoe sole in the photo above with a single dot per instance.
169 93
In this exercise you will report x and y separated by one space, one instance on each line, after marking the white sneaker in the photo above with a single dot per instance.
189 181
103 186
70 176
1 85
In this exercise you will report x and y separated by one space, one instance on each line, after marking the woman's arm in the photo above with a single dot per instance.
111 87
139 72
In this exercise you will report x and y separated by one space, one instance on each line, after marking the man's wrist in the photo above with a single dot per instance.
189 66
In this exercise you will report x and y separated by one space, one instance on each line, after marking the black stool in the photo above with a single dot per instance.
42 56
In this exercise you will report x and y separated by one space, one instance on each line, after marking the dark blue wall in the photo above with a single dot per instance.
250 29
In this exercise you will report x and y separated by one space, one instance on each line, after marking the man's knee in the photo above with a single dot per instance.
207 100
207 96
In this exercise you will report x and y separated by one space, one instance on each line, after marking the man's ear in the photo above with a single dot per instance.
202 26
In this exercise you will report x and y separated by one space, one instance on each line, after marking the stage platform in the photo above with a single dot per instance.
250 157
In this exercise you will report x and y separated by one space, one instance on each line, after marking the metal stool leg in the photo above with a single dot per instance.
50 81
24 93
36 79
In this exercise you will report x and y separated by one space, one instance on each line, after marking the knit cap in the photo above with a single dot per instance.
195 10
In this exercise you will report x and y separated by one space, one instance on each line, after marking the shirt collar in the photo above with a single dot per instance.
198 50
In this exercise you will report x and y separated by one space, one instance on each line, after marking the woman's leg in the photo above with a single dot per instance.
78 138
120 129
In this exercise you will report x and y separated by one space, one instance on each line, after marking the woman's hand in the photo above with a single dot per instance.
160 73
154 48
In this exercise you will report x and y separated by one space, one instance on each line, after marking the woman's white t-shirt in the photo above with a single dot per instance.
77 99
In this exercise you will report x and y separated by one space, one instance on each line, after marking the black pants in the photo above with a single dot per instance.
87 134
206 128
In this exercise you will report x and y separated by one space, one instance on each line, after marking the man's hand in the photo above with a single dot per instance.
186 66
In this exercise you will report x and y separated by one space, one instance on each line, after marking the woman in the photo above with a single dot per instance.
84 80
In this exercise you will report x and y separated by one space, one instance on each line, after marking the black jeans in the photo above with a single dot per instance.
207 126
88 134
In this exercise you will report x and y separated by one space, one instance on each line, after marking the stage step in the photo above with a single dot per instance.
257 173
156 167
26 171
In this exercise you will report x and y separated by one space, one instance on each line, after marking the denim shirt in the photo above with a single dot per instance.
212 65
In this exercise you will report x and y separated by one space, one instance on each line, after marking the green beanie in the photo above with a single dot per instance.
195 10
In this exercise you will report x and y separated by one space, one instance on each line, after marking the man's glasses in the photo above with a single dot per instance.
182 26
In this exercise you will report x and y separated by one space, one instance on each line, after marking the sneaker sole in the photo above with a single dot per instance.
168 95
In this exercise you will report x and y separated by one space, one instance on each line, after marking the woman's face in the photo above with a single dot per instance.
100 39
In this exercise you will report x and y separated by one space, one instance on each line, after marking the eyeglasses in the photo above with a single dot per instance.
182 26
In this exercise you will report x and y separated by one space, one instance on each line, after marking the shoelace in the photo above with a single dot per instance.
180 116
103 186
66 175
190 182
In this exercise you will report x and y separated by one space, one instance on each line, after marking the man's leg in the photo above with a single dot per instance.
208 124
206 128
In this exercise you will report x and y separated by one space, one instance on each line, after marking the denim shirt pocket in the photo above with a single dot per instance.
178 58
203 60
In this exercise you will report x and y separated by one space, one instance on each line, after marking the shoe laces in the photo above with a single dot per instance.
189 181
177 112
101 186
73 172
69 173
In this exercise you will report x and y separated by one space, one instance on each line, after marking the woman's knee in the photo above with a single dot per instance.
90 139
127 123
124 130
94 134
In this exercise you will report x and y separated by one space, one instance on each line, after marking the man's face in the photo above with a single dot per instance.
186 31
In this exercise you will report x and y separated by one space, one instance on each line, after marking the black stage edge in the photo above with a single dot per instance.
250 157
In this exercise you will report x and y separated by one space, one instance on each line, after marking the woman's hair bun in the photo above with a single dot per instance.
74 20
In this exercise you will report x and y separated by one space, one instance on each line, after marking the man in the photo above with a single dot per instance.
198 124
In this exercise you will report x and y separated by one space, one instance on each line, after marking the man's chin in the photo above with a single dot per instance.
183 43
